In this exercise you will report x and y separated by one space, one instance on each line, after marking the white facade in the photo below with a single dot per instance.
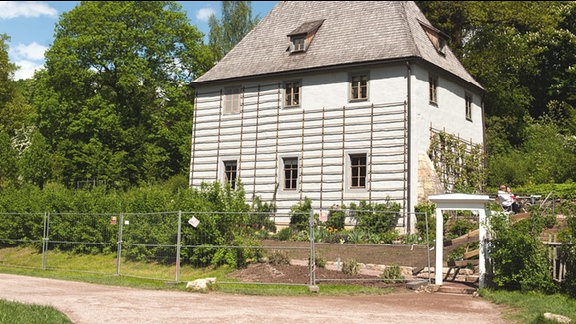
392 128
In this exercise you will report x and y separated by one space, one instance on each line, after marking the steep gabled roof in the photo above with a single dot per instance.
351 32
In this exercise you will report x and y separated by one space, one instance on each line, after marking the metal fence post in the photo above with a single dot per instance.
178 243
311 259
45 239
119 250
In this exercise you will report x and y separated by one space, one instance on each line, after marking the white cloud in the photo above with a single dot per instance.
26 69
204 13
32 51
16 9
28 58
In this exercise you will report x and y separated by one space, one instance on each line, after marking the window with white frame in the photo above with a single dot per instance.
433 85
298 43
292 93
230 172
232 100
290 173
359 87
357 171
468 100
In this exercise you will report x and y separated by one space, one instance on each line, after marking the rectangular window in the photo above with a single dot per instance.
290 173
358 171
232 100
433 81
359 87
468 107
292 93
298 43
230 172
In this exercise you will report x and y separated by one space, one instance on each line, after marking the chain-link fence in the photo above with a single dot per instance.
182 246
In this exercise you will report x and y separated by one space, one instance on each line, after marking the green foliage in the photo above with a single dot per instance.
14 110
235 23
461 226
300 215
35 162
319 260
520 261
285 234
392 274
521 53
15 312
8 162
112 102
260 218
336 218
459 165
426 220
568 255
279 257
351 267
376 217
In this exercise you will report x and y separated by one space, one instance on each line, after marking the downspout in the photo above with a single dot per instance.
408 151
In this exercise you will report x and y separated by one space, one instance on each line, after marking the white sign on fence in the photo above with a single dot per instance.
193 221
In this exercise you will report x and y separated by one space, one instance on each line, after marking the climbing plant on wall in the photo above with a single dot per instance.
460 164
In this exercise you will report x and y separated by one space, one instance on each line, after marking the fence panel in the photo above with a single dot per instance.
153 239
20 234
71 238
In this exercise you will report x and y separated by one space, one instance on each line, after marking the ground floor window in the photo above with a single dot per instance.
230 172
357 171
290 173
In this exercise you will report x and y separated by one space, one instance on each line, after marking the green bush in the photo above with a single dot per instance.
336 218
376 218
300 215
425 215
351 267
319 260
520 260
285 234
279 257
392 273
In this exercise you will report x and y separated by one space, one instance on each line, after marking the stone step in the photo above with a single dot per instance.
456 290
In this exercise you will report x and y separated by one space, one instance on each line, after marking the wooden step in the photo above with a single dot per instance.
457 290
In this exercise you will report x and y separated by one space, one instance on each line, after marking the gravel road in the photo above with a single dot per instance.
86 303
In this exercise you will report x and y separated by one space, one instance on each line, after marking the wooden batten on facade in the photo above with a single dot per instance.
305 107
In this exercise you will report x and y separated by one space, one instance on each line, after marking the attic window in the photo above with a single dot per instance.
298 43
301 37
437 38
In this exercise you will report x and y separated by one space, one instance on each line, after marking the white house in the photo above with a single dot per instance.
336 101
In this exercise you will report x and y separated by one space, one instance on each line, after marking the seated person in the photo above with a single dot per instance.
507 200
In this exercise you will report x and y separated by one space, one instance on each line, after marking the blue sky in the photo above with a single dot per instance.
30 26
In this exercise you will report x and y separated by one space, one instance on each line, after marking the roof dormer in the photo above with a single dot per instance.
437 37
301 37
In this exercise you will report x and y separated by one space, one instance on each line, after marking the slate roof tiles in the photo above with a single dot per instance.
352 32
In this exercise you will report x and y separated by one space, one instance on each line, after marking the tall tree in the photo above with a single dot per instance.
35 161
235 23
113 102
8 162
14 111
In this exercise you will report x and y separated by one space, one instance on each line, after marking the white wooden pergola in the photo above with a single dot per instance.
459 201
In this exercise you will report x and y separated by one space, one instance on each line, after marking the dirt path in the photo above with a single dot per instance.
90 303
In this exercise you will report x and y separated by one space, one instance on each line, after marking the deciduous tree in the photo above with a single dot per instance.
113 102
235 23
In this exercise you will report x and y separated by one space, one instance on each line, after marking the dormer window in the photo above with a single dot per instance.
301 37
437 38
298 43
